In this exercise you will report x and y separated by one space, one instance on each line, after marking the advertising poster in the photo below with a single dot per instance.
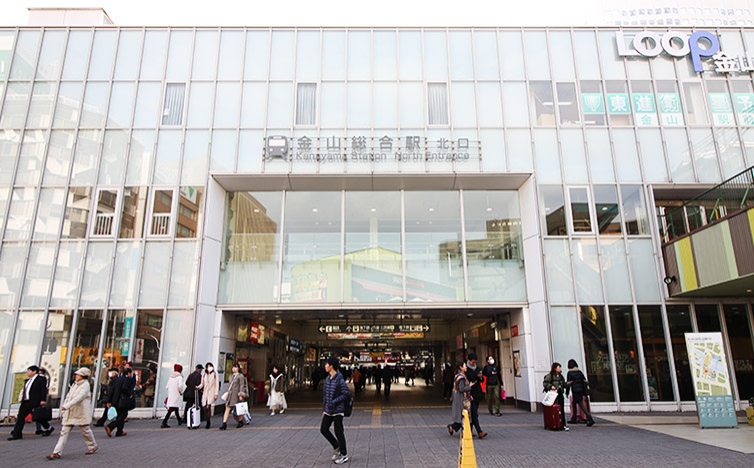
709 369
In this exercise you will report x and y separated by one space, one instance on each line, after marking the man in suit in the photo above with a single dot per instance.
33 395
120 393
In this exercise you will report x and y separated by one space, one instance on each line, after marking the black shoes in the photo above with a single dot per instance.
224 426
450 430
164 426
48 432
239 425
590 424
573 422
15 437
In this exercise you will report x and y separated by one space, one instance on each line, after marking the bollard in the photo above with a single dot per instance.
466 454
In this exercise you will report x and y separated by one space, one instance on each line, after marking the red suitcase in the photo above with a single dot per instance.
553 418
576 409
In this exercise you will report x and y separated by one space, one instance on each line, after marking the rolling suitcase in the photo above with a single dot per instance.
553 420
576 409
195 413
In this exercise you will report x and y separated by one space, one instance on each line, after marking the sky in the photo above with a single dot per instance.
324 12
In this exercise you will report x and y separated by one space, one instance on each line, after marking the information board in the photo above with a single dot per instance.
709 367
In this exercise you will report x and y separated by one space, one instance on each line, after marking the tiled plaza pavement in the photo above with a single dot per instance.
409 431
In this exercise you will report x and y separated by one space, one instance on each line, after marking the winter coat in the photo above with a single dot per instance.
238 389
78 404
492 372
474 375
554 380
335 394
192 382
461 389
577 382
175 390
210 388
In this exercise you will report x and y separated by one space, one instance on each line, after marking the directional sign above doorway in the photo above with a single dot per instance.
395 328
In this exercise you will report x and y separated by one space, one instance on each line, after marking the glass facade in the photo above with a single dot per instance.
123 153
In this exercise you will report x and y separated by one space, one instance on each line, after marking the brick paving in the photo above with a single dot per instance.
408 431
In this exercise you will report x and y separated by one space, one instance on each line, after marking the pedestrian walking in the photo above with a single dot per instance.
461 397
387 379
193 381
175 389
358 380
120 395
32 396
210 387
474 374
494 383
77 411
276 398
43 373
555 381
447 381
147 395
576 382
237 392
334 399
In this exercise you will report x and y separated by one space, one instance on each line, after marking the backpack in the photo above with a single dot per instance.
348 407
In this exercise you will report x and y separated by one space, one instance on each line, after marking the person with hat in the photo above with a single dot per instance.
175 389
193 390
32 396
77 411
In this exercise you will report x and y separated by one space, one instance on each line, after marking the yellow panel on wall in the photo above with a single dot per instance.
686 270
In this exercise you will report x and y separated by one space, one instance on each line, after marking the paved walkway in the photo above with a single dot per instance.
408 431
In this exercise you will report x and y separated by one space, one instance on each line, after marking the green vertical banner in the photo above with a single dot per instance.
592 103
645 109
670 108
618 103
709 369
745 108
722 110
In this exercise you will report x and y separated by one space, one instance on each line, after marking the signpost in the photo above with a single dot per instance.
392 328
709 368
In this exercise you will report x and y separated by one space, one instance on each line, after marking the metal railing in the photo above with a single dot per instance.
734 195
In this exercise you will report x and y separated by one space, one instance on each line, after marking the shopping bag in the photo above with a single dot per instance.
242 408
550 398
503 395
112 413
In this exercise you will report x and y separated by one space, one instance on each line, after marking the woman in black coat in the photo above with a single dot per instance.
576 382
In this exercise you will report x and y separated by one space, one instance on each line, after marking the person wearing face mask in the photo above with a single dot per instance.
492 373
210 387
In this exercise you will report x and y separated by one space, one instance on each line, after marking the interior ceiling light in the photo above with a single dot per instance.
431 210
489 209
314 210
373 210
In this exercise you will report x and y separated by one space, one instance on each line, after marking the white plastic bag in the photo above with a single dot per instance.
550 398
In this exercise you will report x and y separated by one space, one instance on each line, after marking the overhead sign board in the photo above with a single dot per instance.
375 328
376 336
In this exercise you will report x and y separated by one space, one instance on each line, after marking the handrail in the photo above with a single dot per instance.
709 207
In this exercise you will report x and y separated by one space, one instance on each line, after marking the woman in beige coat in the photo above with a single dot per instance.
77 411
211 389
237 392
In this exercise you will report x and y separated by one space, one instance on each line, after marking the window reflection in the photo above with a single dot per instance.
597 354
554 209
655 354
77 212
679 322
741 352
606 206
630 384
541 103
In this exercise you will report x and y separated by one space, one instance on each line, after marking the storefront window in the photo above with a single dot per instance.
494 255
566 344
581 218
29 331
597 366
655 354
707 318
630 384
146 354
86 345
553 205
679 321
741 349
176 347
55 352
634 210
606 208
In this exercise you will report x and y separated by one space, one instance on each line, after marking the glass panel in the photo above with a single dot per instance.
679 322
65 289
54 352
553 205
127 60
194 169
644 270
334 55
3 202
652 156
574 156
283 51
184 275
306 103
227 105
6 325
546 153
29 168
153 58
558 266
176 346
707 318
40 109
606 208
385 105
493 246
77 212
587 267
463 104
655 354
695 107
564 323
188 221
588 64
541 103
592 103
411 102
600 160
461 56
125 280
162 207
86 342
679 156
634 210
117 338
168 159
104 217
94 287
581 218
494 150
112 166
230 66
568 107
59 154
596 353
253 107
155 274
49 213
147 342
359 55
515 104
257 55
12 260
311 258
630 384
385 62
252 248
626 156
76 55
731 154
20 218
6 45
132 215
537 66
373 247
25 351
103 53
223 151
618 103
121 104
489 105
741 349
280 115
435 55
511 55
147 105
25 55
8 151
200 105
519 148
179 55
645 108
434 270
705 155
172 105
615 269
360 105
14 108
38 273
140 157
51 56
561 55
250 148
67 107
669 102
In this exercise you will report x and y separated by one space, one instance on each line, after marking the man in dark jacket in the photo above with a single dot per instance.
120 394
494 381
335 396
193 380
474 374
33 395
